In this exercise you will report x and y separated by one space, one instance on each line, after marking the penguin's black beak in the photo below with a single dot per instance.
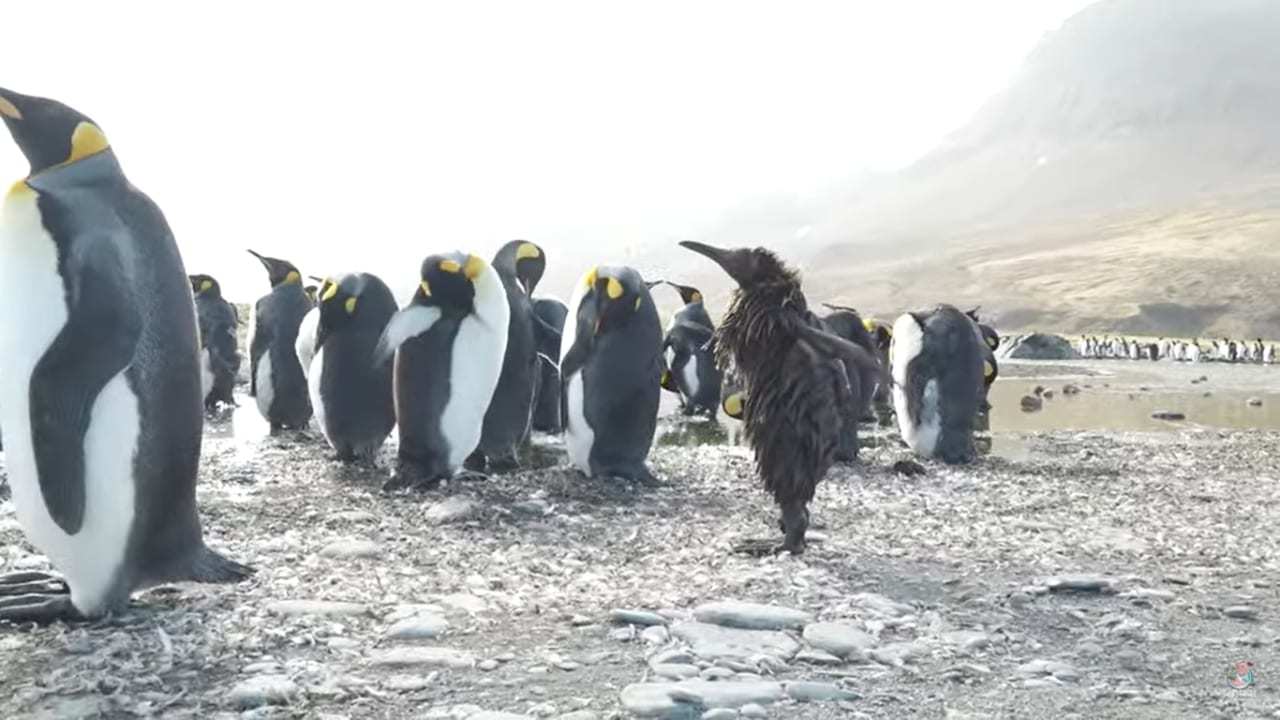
732 262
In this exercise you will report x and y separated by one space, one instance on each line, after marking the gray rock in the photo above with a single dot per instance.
752 710
579 715
451 510
1030 403
293 608
1241 612
1147 594
1168 415
495 715
488 665
263 690
351 550
817 657
532 507
716 673
1129 659
424 656
882 605
713 641
655 634
1081 583
1254 401
1056 668
623 616
1038 346
418 627
967 641
677 701
751 616
407 683
675 655
353 516
675 671
897 654
720 714
818 692
839 639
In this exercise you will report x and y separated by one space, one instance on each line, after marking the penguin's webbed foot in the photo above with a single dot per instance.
910 468
758 547
476 461
26 583
468 475
40 608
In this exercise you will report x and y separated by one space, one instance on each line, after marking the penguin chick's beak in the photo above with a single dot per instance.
733 262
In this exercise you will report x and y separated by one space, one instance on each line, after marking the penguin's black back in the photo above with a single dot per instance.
422 387
218 325
91 202
506 422
691 341
546 404
358 402
279 314
694 313
621 386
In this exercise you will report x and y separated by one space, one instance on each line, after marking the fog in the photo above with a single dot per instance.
363 136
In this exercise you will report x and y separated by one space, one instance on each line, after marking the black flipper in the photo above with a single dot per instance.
97 342
261 341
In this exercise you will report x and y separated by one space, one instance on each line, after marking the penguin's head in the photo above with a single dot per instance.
205 285
49 133
524 260
749 267
279 272
688 294
312 291
339 302
448 282
613 295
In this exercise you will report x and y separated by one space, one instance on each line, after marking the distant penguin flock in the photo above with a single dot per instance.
111 356
1223 350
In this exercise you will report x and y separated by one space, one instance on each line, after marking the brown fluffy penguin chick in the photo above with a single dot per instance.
796 379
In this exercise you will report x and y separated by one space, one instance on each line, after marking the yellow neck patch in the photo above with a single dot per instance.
20 188
696 297
987 369
350 305
474 267
614 288
85 141
450 266
292 277
426 288
205 285
330 289
590 278
527 250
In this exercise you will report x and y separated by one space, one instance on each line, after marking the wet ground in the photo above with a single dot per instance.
496 595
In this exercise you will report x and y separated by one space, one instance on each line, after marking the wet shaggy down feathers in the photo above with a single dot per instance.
794 391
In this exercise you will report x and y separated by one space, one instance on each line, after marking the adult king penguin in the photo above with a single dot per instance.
99 377
351 397
276 380
520 265
448 343
610 362
937 382
798 380
690 357
551 314
219 354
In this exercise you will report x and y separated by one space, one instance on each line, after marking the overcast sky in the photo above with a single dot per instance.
367 135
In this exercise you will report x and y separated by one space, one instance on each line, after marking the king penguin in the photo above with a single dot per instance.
610 362
99 377
219 354
989 340
448 344
275 374
351 396
520 265
550 314
937 382
690 356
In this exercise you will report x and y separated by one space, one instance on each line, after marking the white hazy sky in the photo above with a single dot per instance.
365 135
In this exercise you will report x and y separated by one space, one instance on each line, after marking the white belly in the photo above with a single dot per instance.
922 435
313 388
305 346
32 311
578 434
691 375
206 372
265 392
474 368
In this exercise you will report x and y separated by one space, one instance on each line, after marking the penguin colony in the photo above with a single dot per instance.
1223 350
106 369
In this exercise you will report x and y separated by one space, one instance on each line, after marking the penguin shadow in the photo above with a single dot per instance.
694 431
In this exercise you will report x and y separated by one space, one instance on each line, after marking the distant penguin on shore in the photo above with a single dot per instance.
520 265
100 388
689 356
448 344
611 366
276 381
219 354
937 382
551 314
796 380
351 396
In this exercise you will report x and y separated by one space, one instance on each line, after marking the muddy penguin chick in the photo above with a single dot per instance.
795 378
